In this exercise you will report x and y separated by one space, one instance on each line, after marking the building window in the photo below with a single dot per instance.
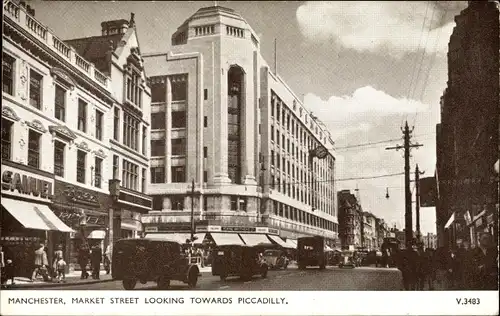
144 139
157 147
157 175
157 203
178 119
59 158
205 121
8 63
177 203
134 91
35 89
116 163
272 133
60 103
158 120
158 92
205 94
178 146
178 174
98 124
143 184
116 122
82 115
97 172
80 166
130 175
34 149
179 90
205 152
205 176
130 131
6 139
234 203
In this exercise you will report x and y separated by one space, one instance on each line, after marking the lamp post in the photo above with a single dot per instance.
114 210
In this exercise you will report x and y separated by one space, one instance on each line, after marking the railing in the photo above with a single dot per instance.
36 27
80 62
61 47
12 10
27 22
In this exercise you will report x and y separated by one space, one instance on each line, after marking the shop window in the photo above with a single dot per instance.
60 103
34 148
59 158
35 89
177 203
82 115
6 139
81 158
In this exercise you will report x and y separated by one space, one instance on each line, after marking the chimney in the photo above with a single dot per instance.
22 4
114 27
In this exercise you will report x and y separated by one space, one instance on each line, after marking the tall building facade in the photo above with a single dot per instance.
467 137
370 240
223 120
57 148
350 216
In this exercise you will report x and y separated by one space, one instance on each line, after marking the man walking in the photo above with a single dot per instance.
96 259
485 264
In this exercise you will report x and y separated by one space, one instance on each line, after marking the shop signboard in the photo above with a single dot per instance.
25 184
237 229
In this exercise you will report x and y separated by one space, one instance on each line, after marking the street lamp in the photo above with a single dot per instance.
114 193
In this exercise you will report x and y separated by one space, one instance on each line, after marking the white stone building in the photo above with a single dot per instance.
223 119
58 148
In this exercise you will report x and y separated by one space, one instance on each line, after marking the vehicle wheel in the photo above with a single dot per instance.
129 284
264 272
192 279
322 267
302 267
163 283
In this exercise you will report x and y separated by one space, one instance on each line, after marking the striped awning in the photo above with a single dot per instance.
279 241
34 216
177 237
255 239
222 239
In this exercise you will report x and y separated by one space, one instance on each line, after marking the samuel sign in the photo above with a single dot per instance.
25 184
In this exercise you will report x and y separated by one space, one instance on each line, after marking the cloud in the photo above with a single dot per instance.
393 28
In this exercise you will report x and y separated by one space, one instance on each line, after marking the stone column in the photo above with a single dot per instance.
219 121
168 132
249 131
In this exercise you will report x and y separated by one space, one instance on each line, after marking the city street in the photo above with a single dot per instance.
331 279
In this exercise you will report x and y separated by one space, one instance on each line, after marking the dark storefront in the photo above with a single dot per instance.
27 220
86 212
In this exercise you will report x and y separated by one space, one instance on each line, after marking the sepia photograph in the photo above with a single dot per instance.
246 147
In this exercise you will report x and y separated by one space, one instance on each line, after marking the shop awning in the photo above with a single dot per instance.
177 237
450 221
279 241
97 234
226 239
34 216
255 239
290 243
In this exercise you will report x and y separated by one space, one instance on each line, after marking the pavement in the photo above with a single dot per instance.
72 278
292 279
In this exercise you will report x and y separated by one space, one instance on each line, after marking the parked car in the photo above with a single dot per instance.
238 260
276 259
347 259
145 260
311 252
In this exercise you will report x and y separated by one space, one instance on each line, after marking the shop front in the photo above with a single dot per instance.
131 205
86 212
27 220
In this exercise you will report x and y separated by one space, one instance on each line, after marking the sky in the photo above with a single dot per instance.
363 67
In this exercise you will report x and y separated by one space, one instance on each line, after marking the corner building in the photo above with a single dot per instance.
222 119
58 151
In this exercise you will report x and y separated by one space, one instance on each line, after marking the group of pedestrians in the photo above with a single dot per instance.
463 268
95 256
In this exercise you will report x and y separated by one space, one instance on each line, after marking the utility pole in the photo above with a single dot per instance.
417 203
192 212
408 212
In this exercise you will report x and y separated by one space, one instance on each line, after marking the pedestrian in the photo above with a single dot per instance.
463 266
96 259
406 261
58 254
83 259
453 270
61 269
441 266
41 263
2 266
107 259
485 264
